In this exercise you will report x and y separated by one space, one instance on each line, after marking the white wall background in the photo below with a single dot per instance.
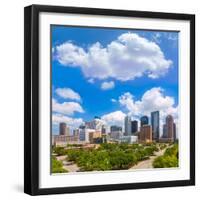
11 101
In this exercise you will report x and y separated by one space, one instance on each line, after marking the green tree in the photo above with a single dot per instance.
169 159
57 166
60 151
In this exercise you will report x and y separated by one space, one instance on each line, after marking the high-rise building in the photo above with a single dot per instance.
174 127
94 135
144 120
103 129
169 134
81 126
116 135
170 126
84 134
64 129
62 140
115 128
145 134
127 123
76 132
164 131
115 132
95 124
134 127
155 123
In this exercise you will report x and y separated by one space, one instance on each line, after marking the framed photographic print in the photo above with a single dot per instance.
109 100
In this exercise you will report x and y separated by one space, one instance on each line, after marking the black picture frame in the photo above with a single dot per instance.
31 98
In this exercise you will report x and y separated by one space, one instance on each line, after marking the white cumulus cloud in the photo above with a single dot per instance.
113 100
152 100
107 85
114 118
72 122
91 80
68 93
126 58
68 108
127 101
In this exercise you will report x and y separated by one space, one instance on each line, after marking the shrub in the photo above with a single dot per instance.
110 156
60 151
169 159
57 166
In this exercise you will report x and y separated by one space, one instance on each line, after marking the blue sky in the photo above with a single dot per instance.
77 52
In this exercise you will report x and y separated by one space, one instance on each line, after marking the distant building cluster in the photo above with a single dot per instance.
95 131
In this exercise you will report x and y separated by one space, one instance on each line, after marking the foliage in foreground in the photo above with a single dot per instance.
57 166
60 151
110 156
169 159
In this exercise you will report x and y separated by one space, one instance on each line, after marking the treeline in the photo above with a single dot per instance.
169 159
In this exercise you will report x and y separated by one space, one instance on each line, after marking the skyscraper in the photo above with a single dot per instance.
164 131
134 126
76 132
96 124
127 124
145 134
155 123
174 129
63 129
170 127
103 129
144 120
115 128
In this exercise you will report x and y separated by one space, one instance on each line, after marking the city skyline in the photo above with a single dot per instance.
131 127
91 147
79 94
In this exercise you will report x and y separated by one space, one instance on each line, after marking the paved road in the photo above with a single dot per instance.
69 166
145 164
